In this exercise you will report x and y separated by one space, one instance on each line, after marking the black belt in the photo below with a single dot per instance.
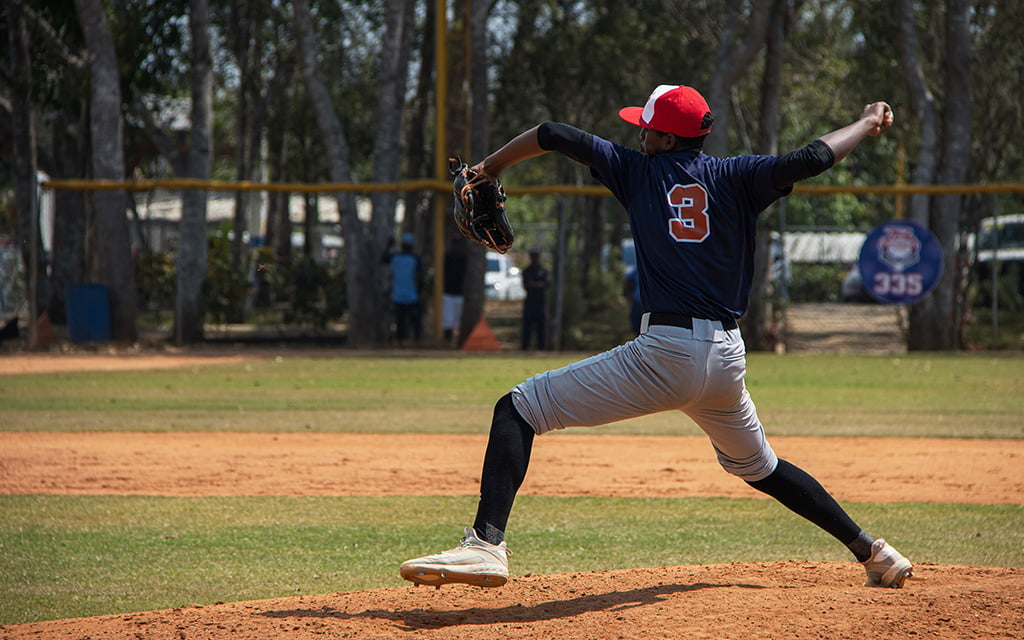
679 320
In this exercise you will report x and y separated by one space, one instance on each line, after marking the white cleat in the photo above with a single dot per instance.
473 562
886 567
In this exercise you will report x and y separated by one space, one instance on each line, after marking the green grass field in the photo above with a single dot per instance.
924 395
70 556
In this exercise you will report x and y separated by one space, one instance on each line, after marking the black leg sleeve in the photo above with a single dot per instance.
805 496
505 463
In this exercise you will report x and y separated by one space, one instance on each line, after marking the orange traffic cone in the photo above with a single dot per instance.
481 338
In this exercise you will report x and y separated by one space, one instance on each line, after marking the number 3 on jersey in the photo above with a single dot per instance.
690 207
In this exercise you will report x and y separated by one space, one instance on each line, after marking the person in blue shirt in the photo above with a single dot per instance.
406 285
693 219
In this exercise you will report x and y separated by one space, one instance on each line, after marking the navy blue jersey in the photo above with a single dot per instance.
693 218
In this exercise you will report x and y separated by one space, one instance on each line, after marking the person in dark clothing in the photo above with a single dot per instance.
453 295
536 280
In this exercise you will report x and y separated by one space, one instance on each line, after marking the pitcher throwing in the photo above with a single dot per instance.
693 219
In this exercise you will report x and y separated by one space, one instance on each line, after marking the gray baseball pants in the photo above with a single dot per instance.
698 371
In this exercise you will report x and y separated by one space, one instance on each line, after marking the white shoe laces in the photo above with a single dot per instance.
467 542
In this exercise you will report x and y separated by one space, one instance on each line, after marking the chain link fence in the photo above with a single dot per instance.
821 304
817 301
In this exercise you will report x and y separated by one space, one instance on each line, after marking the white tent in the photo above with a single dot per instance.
823 247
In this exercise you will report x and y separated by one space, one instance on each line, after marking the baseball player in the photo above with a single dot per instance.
693 220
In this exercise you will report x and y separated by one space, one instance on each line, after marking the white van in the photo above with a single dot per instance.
502 280
1000 241
1003 237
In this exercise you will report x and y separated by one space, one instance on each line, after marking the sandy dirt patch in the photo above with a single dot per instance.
563 464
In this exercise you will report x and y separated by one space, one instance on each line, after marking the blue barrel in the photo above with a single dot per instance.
88 307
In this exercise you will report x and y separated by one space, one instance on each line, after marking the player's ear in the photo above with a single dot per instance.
667 142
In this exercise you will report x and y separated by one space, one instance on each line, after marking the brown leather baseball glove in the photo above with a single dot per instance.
480 207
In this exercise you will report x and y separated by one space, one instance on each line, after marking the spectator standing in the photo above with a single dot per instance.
454 288
406 284
536 281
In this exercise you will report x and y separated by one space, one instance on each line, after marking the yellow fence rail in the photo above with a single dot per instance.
433 184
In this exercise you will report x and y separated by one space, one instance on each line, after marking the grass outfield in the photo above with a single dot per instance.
66 557
935 395
70 556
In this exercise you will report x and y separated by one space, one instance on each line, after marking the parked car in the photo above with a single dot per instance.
1000 241
503 280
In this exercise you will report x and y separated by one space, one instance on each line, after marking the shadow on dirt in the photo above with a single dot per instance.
552 610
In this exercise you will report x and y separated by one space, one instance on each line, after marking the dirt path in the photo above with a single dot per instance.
738 600
563 464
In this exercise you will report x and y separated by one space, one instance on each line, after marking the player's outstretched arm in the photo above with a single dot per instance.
875 120
522 147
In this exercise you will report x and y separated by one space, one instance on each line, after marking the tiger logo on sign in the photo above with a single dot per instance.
899 248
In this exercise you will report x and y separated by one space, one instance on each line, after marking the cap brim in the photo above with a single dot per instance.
632 115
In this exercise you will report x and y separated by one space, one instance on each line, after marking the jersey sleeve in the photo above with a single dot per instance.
617 167
612 165
565 139
757 175
803 163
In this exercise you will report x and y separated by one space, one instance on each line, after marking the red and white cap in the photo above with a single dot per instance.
676 109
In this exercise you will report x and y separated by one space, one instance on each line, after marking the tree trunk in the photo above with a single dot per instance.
247 46
67 129
361 266
279 141
192 245
732 60
419 159
279 224
111 258
23 149
758 316
923 103
68 261
394 66
932 320
923 173
241 18
245 128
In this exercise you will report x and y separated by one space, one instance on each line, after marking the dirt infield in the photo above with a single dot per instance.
563 464
738 600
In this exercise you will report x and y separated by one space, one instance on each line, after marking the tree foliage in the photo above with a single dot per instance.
576 61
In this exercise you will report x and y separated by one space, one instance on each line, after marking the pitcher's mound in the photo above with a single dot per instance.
819 600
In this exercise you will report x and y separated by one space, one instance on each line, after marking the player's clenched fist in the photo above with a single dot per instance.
881 114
